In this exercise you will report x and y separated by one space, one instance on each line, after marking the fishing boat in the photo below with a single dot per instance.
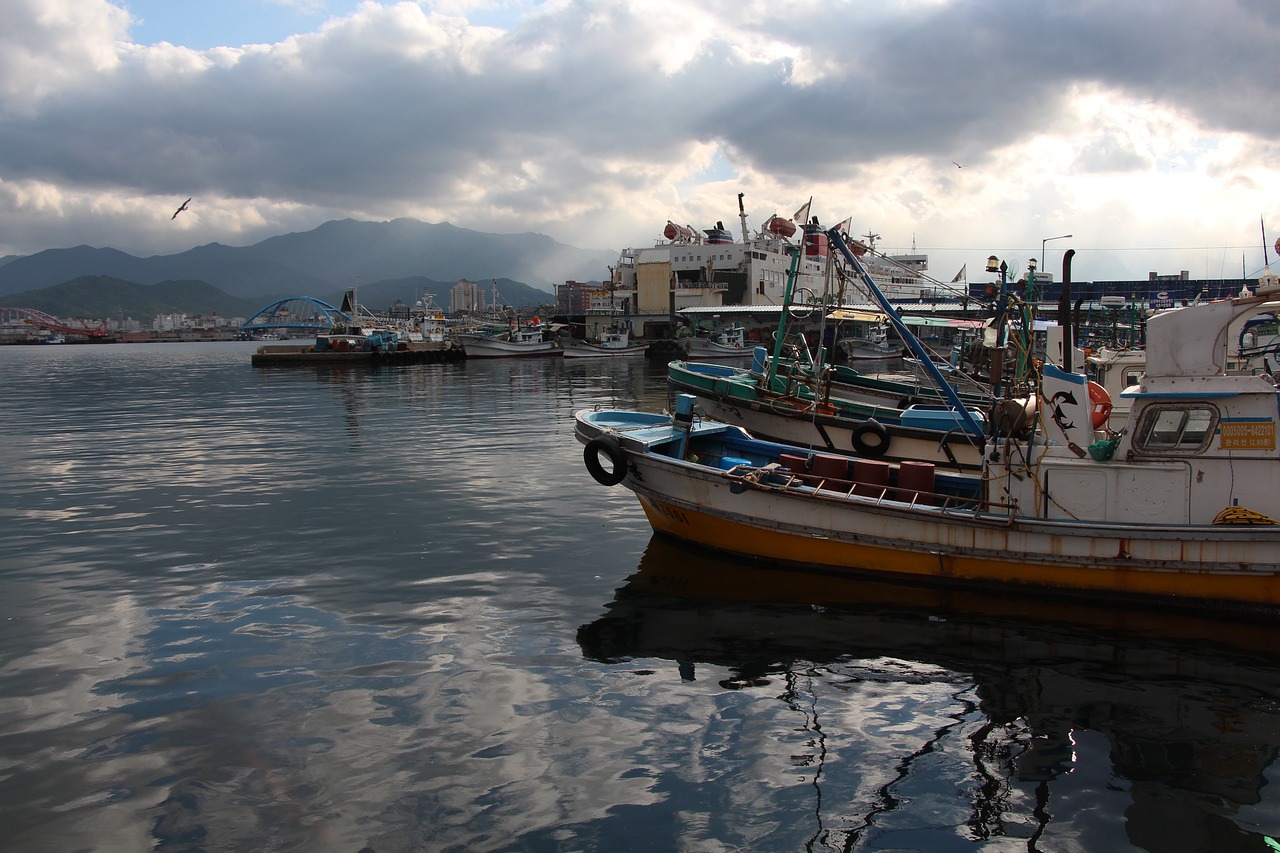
1180 506
786 396
871 340
354 344
342 343
429 329
896 388
427 323
789 411
521 340
730 342
1257 344
613 342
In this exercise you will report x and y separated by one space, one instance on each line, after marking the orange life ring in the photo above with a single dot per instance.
1100 402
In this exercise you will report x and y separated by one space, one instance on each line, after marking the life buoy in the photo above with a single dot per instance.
878 446
801 303
1100 401
609 447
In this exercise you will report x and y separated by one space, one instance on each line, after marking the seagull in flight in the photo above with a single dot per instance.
957 165
179 210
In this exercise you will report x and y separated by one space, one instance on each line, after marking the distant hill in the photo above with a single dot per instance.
102 297
327 260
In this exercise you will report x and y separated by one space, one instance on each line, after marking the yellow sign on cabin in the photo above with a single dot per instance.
1250 435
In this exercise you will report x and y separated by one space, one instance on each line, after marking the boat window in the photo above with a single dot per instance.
1175 429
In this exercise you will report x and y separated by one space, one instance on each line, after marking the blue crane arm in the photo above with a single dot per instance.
836 236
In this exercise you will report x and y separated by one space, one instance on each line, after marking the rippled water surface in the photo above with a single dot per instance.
386 609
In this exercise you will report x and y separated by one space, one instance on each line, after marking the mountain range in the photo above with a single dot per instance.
401 259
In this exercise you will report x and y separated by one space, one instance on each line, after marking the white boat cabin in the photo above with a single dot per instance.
1199 444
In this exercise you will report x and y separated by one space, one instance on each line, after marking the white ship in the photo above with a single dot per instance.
709 268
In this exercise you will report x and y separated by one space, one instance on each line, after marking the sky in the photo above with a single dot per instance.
1148 130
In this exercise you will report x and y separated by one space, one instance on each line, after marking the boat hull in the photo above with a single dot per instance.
767 419
1213 564
872 352
702 349
579 349
880 390
493 348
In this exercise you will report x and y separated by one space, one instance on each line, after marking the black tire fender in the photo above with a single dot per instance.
609 447
877 446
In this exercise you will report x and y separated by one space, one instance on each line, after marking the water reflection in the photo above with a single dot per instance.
335 609
932 716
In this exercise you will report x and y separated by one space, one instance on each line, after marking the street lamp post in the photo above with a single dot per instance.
1046 240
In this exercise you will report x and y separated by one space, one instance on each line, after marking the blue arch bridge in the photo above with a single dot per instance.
297 313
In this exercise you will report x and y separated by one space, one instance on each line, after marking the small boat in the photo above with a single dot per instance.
730 342
854 349
428 325
357 339
889 389
610 343
527 340
895 427
1258 345
871 342
787 397
1108 528
341 344
1180 507
355 344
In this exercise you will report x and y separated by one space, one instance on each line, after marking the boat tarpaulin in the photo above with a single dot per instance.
842 314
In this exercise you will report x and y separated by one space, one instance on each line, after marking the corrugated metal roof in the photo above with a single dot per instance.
701 310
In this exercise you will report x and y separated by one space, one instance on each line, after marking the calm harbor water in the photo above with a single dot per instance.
387 610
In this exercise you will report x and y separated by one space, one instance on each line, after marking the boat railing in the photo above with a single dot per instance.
773 478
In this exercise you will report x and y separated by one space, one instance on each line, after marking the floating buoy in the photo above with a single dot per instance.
1100 401
606 445
879 439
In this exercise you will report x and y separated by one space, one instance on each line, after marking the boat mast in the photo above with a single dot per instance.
742 216
780 335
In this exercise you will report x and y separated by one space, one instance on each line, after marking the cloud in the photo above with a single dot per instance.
595 123
47 46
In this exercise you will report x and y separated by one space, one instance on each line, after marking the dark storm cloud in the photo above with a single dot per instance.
967 78
395 107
